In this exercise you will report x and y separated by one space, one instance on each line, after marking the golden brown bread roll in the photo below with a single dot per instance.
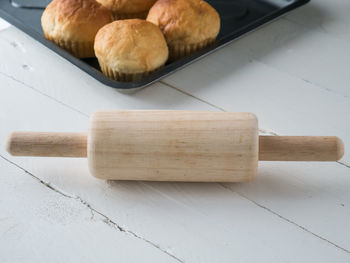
128 50
73 24
125 9
188 25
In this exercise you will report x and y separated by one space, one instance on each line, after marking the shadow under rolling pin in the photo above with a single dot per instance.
192 146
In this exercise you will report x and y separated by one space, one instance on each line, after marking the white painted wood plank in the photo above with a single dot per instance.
194 222
3 24
286 104
314 194
38 224
331 17
302 52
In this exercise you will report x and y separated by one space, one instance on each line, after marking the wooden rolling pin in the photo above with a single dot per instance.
175 146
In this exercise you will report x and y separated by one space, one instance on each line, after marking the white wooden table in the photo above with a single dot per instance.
294 74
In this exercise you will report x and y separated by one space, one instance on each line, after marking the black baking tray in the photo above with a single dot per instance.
237 18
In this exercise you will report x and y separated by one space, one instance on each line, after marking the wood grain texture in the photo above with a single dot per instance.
47 144
173 146
300 148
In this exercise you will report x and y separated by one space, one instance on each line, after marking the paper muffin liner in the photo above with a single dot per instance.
182 50
78 49
120 16
124 77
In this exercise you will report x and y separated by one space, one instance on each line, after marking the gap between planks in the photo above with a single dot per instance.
42 93
93 210
314 85
286 219
320 28
114 224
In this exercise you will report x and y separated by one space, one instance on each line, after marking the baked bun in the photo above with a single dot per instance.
73 24
126 9
188 25
128 50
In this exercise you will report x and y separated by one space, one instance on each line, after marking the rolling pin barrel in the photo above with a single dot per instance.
173 146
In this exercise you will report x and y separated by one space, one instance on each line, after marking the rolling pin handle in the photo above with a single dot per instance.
300 148
47 144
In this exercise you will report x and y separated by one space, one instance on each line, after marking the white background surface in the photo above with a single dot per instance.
294 74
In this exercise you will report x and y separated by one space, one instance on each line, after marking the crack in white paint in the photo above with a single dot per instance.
344 164
106 219
323 88
286 219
